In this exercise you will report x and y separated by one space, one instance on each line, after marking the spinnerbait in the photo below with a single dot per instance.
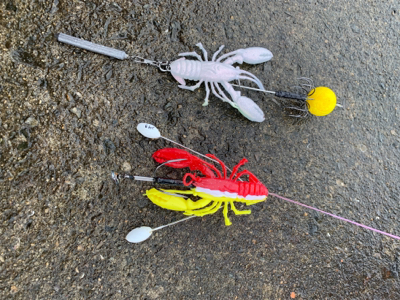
212 187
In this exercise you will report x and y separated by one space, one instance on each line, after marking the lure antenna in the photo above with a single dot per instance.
151 132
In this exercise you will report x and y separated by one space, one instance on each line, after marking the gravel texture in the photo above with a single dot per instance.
68 118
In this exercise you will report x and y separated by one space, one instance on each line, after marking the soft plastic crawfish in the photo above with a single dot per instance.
220 71
213 188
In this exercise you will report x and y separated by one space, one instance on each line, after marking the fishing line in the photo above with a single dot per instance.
335 216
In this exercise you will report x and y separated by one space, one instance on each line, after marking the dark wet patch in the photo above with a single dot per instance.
11 7
22 56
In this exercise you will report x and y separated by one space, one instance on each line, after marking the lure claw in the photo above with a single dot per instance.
249 109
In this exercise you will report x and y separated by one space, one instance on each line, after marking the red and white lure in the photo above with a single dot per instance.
212 187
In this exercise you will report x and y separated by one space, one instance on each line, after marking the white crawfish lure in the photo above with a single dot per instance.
214 73
220 72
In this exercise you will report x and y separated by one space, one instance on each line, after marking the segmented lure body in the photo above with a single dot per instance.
205 71
219 72
231 189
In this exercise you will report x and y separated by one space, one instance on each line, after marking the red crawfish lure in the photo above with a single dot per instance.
213 188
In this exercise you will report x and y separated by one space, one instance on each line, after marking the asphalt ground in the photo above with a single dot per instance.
68 119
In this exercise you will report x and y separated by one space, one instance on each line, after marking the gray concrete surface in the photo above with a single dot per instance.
68 118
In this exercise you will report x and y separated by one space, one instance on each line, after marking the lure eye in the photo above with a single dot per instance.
321 101
249 109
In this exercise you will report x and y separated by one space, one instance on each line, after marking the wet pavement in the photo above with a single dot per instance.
69 117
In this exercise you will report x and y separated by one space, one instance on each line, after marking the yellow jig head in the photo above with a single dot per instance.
321 101
318 101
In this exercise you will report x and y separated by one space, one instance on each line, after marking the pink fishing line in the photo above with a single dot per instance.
337 217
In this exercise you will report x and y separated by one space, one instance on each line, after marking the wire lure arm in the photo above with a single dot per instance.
158 180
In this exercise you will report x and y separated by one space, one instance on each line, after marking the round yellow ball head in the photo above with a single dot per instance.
321 101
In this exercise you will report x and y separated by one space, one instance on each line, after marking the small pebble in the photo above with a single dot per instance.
14 289
362 147
126 167
109 74
76 111
355 28
377 255
339 182
32 122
